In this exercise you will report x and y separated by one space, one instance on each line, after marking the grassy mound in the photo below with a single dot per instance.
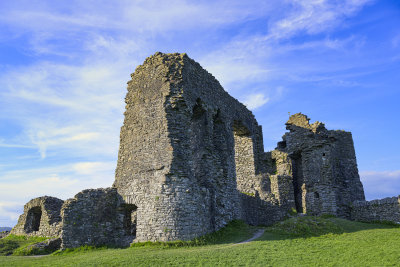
16 245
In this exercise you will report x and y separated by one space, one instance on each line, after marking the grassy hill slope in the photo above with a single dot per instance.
301 241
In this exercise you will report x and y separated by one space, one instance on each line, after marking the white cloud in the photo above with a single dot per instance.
254 101
314 16
381 184
73 106
4 144
9 213
396 41
61 181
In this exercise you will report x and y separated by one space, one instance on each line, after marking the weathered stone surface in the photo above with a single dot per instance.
324 167
41 217
387 209
190 154
97 217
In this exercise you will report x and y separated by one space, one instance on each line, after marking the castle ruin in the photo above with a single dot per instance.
191 159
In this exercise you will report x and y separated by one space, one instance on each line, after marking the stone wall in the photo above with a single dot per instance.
41 217
188 152
325 174
387 209
97 217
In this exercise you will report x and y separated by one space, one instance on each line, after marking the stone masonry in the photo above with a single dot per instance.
191 159
387 209
97 216
41 217
324 167
191 156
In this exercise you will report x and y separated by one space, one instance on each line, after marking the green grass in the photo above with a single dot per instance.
336 242
235 231
16 245
306 227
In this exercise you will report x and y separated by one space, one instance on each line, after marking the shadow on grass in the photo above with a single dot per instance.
234 232
312 226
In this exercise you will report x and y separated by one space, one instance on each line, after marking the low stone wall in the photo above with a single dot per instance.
41 217
256 211
387 209
97 217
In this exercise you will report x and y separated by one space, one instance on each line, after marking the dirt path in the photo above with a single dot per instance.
256 235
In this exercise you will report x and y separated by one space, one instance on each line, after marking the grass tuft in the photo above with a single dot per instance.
16 245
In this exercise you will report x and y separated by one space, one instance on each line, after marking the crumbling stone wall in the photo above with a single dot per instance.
281 178
41 217
387 209
190 154
97 217
324 167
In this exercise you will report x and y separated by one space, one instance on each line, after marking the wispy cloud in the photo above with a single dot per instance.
74 105
63 181
255 101
313 17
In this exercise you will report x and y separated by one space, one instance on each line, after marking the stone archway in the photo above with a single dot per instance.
33 217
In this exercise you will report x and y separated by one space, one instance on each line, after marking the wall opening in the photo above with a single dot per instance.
298 181
33 218
273 168
220 145
198 142
244 157
282 145
316 195
130 219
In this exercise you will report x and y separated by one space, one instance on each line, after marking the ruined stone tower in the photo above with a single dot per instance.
187 149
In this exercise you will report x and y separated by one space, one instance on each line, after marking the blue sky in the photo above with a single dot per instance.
64 67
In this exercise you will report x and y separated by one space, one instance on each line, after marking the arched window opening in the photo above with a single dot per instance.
33 218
